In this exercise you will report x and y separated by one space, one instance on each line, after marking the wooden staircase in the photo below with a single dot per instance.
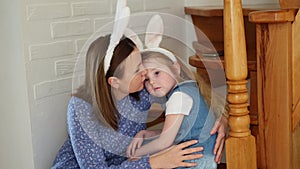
276 144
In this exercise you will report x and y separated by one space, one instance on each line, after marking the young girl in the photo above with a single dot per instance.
187 116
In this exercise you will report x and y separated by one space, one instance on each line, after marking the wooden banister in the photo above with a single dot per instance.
240 145
296 72
288 4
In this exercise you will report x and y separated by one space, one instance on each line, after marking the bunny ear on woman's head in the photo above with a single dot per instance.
154 32
120 24
119 6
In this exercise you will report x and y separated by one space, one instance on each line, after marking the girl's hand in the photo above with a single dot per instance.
136 143
174 156
220 127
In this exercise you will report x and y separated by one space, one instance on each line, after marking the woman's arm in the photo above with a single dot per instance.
88 153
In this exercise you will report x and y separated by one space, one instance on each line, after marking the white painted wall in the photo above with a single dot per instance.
39 43
15 140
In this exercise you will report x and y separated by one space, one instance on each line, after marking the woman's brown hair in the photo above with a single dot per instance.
96 89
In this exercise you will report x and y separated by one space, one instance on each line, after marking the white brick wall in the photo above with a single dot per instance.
52 88
91 8
48 11
57 48
64 67
71 28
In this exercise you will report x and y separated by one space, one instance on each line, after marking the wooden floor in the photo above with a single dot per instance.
222 166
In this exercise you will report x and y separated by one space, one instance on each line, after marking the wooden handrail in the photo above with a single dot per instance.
296 72
240 145
288 4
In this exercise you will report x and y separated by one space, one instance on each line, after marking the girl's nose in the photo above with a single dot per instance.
151 81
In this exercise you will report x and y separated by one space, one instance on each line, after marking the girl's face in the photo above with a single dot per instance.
160 79
134 74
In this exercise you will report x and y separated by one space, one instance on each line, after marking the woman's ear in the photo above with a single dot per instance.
114 82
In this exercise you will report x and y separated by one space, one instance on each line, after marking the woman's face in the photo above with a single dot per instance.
134 74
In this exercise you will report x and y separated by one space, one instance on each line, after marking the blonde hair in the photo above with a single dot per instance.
218 104
185 73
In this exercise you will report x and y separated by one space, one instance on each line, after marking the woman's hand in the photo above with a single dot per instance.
174 156
220 127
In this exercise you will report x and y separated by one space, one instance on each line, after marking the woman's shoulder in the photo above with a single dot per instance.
76 101
78 106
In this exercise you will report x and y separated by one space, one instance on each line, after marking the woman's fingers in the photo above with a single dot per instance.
215 128
186 144
219 153
192 150
219 141
192 156
185 164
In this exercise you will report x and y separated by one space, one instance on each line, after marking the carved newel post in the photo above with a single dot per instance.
240 144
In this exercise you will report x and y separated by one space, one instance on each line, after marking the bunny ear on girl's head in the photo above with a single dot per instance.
134 37
120 24
154 32
153 38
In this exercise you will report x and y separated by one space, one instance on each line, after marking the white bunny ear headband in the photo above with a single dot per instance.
153 36
120 24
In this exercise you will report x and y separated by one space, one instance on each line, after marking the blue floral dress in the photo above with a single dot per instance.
92 145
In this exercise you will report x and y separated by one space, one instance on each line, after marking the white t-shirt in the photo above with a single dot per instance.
179 103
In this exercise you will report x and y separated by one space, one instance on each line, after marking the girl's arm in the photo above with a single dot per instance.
178 105
138 140
166 138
